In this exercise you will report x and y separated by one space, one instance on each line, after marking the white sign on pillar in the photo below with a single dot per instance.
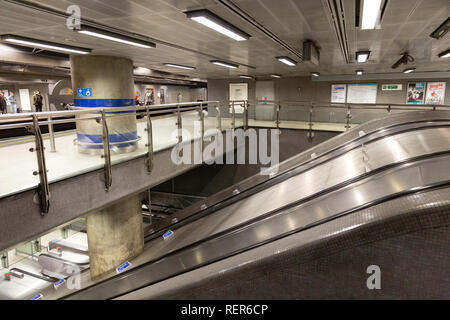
238 92
25 99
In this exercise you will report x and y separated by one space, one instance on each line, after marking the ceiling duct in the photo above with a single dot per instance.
336 8
229 4
311 54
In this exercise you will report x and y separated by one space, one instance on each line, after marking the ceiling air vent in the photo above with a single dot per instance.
338 21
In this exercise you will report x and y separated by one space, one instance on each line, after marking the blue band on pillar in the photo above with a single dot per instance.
104 103
97 138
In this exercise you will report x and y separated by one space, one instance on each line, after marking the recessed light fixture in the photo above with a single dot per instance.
441 30
371 13
444 54
275 76
245 77
34 43
409 70
179 66
103 34
224 64
315 74
359 72
287 60
210 20
362 56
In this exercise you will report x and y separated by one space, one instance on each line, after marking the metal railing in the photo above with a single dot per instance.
33 121
312 106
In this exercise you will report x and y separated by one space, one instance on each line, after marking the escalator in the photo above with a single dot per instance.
378 195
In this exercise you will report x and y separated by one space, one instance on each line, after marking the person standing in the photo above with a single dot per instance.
3 105
37 101
12 102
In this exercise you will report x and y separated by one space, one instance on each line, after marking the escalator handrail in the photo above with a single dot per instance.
257 181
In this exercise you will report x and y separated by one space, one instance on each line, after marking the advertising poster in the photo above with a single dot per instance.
435 93
338 93
362 93
415 94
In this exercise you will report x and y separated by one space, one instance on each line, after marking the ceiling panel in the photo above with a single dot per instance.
406 27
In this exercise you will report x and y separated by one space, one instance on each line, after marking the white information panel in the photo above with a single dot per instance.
25 99
338 93
238 91
362 93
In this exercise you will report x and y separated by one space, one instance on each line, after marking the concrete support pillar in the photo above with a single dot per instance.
115 235
104 81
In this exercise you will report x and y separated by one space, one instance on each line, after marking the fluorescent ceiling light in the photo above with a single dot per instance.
34 43
179 66
315 74
359 72
245 77
371 13
287 60
103 34
444 54
139 70
362 56
409 70
210 20
275 76
224 64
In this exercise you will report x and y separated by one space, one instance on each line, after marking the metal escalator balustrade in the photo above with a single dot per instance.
288 168
402 163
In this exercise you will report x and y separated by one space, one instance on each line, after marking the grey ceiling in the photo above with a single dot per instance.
406 27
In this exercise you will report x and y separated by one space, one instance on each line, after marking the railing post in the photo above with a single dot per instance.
233 116
245 115
106 153
43 188
277 121
219 117
202 121
348 117
311 132
149 145
51 133
179 125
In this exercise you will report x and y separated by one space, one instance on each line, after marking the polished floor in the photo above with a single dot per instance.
17 163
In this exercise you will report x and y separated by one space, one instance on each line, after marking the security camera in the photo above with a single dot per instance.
403 60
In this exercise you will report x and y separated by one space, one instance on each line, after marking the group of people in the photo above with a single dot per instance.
38 102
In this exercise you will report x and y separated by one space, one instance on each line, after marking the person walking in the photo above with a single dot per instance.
3 104
37 101
12 102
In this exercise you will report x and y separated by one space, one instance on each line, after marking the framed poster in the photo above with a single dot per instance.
415 93
362 93
338 93
435 93
238 91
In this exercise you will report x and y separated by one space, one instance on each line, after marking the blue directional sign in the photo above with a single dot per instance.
168 235
84 92
37 297
123 267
